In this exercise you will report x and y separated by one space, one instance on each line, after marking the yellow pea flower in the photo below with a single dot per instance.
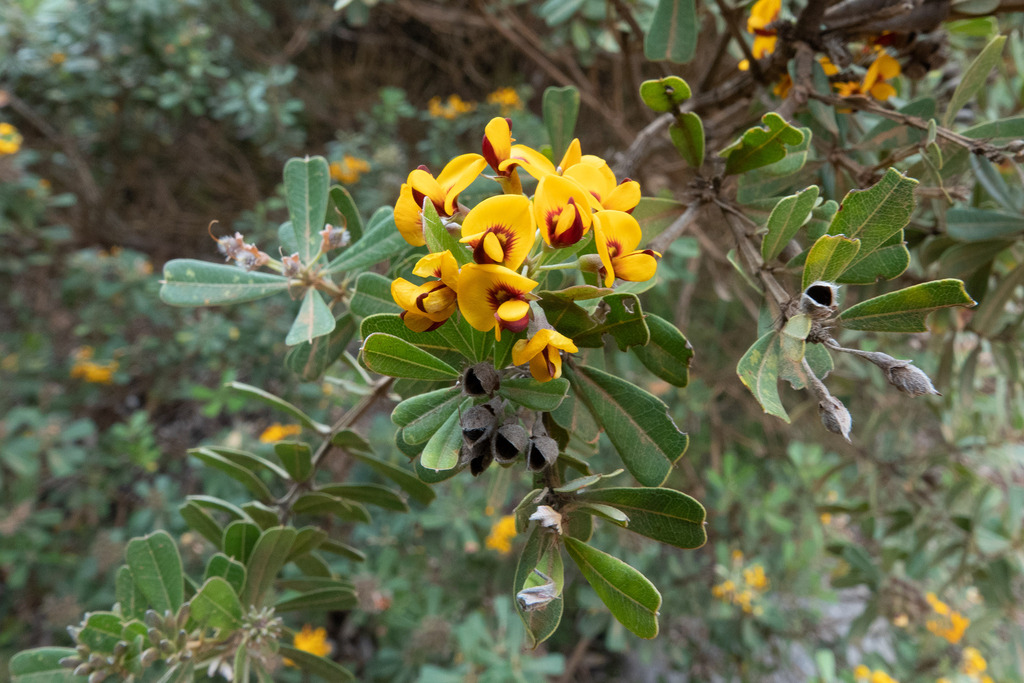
617 235
543 352
428 306
562 210
500 230
494 297
443 191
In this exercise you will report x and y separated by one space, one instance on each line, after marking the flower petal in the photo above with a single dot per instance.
457 175
408 218
510 218
483 288
638 266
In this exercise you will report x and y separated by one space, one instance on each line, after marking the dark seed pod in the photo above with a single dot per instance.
509 442
541 453
477 424
481 456
819 299
481 380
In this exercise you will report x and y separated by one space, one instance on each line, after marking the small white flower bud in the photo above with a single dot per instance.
548 517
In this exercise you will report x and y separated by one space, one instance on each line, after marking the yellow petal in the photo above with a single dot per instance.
511 217
882 91
620 228
593 181
624 197
457 175
404 293
562 210
638 266
571 157
493 248
418 322
532 161
541 370
513 310
497 143
407 217
483 288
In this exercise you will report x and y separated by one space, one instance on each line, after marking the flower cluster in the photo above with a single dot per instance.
743 585
313 641
876 81
577 204
502 532
349 169
452 108
10 139
89 370
945 622
507 99
865 675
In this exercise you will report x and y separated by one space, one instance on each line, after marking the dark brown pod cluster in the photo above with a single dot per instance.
481 380
489 435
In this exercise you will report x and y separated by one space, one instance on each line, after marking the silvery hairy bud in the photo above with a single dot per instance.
334 238
819 299
252 258
481 380
291 265
910 380
835 417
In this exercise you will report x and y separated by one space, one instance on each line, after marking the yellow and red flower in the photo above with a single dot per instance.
617 235
427 306
497 150
875 83
500 230
539 166
595 176
443 191
763 14
492 296
562 209
544 353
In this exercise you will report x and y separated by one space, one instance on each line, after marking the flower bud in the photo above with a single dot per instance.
835 416
334 238
547 517
590 263
291 265
910 380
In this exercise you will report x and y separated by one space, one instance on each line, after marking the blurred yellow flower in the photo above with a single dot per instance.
313 641
502 533
762 14
883 69
349 169
58 58
948 623
506 98
10 139
755 578
452 108
277 432
862 672
973 662
86 369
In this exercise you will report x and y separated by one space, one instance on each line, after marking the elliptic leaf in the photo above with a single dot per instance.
310 360
668 353
313 320
666 515
306 182
637 423
406 480
422 415
623 320
560 107
279 403
829 256
628 594
788 216
759 372
268 556
321 599
442 450
372 295
974 77
380 242
42 665
372 494
761 146
435 342
542 552
188 282
673 32
156 569
876 216
342 212
244 475
230 570
438 238
216 605
664 94
239 540
529 393
129 597
906 310
297 458
976 225
202 522
388 355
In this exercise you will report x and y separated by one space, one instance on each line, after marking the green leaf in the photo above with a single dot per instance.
905 310
976 225
268 556
264 516
388 355
313 320
297 458
876 217
349 440
423 415
199 520
442 450
343 550
406 480
156 570
372 295
687 134
342 212
215 503
759 372
372 494
310 359
998 131
623 320
672 35
606 512
788 216
306 182
560 107
102 631
318 666
278 403
239 540
438 238
435 342
637 423
237 472
317 503
761 146
228 569
250 461
828 257
628 594
381 241
529 393
308 539
664 94
542 551
974 77
324 599
42 665
216 605
668 353
655 214
666 515
566 316
188 282
462 337
129 597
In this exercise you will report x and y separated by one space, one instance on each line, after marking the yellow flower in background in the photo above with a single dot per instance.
948 624
313 641
502 533
58 58
506 98
452 108
500 230
883 69
755 578
973 662
617 235
10 139
879 676
762 14
277 432
494 297
543 352
86 369
349 169
443 191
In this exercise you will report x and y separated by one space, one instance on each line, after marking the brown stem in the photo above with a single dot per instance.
750 254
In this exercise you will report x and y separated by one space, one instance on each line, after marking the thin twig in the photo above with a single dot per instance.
662 242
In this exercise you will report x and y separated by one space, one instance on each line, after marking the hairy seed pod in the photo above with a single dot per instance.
509 442
481 380
477 424
541 453
819 299
481 457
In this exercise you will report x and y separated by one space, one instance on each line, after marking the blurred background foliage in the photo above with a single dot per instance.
133 124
